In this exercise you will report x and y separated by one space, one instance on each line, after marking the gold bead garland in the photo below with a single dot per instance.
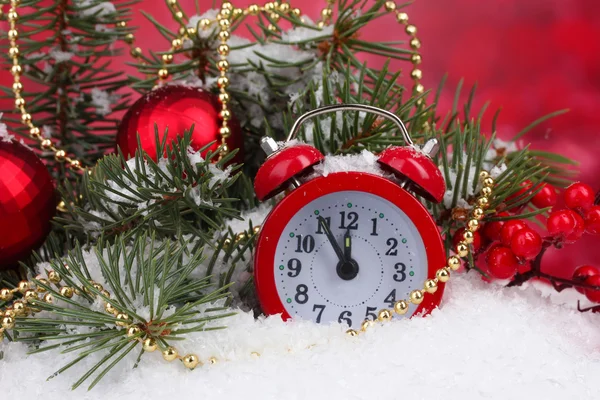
21 308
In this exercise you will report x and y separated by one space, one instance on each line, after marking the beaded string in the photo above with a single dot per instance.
32 293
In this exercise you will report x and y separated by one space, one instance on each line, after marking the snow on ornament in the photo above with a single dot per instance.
344 245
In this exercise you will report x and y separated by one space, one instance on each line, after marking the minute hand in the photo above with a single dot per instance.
331 238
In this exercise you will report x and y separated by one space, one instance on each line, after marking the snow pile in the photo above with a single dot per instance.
485 343
103 101
4 135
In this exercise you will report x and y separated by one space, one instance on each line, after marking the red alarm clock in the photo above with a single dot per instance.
342 247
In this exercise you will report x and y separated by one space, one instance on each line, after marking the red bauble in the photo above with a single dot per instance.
492 230
27 202
579 196
565 224
526 243
546 197
582 273
592 220
458 237
591 294
502 263
176 108
509 229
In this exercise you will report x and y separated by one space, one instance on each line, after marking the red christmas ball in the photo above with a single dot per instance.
177 108
592 220
593 294
27 202
526 243
509 229
493 229
579 196
502 263
546 197
582 273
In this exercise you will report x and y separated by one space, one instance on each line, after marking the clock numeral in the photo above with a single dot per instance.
374 232
320 227
390 300
306 244
370 314
393 243
321 308
345 317
295 266
301 294
352 220
401 275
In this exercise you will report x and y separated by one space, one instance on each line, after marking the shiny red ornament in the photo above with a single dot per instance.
502 263
592 220
526 243
582 273
579 196
27 202
593 294
509 229
546 197
176 108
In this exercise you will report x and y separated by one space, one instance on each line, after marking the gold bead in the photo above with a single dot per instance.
23 286
224 36
253 9
443 274
177 43
136 52
296 12
473 225
384 315
66 292
224 24
54 277
16 69
163 73
227 242
13 52
105 293
10 312
226 115
284 7
468 237
462 249
326 12
179 15
237 12
269 6
49 298
133 330
415 43
8 322
18 308
191 361
121 24
402 18
6 295
486 191
129 38
416 74
419 88
482 202
34 132
172 2
483 175
351 332
223 65
256 229
122 319
167 58
410 29
416 296
390 6
366 324
212 360
225 13
240 236
26 117
170 353
17 87
149 345
75 164
227 5
401 307
430 286
416 59
274 17
224 97
477 213
12 16
97 286
224 149
110 309
223 49
488 182
20 102
60 155
204 23
272 28
30 295
453 263
223 81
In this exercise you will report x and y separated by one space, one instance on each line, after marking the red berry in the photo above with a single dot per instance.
509 229
526 244
458 237
546 197
582 273
579 196
502 263
591 294
565 224
592 220
491 230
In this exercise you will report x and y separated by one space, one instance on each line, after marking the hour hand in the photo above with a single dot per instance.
347 246
331 238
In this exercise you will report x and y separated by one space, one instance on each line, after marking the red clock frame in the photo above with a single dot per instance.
276 221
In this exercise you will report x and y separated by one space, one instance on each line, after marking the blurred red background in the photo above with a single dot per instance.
527 57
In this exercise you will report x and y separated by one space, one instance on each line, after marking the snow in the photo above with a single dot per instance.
103 101
485 343
61 56
97 9
4 135
301 33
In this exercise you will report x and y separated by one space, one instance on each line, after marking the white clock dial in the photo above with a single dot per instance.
375 258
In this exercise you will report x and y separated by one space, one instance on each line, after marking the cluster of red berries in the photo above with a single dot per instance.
591 276
513 244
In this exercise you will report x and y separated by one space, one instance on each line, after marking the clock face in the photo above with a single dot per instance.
345 256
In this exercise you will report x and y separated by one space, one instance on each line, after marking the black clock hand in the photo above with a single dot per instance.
331 238
347 246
